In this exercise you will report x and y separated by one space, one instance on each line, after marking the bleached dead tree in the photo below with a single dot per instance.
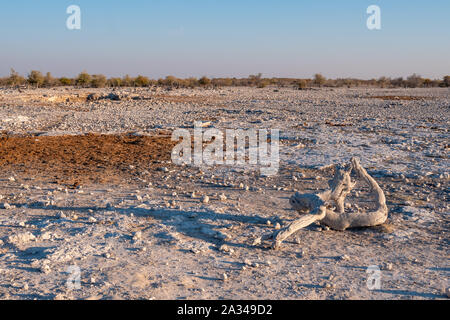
328 207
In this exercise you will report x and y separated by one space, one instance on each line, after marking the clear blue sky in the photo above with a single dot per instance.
285 38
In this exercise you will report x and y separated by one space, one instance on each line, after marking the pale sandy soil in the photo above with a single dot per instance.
117 208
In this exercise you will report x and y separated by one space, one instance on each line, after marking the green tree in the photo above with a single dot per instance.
83 79
65 81
141 81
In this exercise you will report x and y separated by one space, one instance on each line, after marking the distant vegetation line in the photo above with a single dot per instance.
85 80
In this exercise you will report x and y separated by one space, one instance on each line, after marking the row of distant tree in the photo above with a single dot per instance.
37 79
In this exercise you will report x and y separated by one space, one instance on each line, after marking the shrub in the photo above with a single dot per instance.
398 82
170 81
191 82
15 79
204 81
263 83
127 81
414 81
98 81
141 81
49 81
446 81
302 84
115 82
65 81
35 78
83 79
319 79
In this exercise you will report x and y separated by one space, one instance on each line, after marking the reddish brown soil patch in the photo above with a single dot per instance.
81 159
332 124
407 98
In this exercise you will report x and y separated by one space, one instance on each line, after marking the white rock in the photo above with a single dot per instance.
205 199
5 205
137 235
46 236
21 238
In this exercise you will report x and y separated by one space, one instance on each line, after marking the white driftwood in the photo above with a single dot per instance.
328 207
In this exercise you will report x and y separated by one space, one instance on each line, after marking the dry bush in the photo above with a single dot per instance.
414 81
114 82
49 81
35 78
319 80
302 84
141 81
127 81
204 81
86 80
15 79
98 81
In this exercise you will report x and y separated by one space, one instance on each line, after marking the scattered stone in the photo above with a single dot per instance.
137 236
46 236
344 257
5 205
388 266
222 197
45 269
205 199
224 248
62 215
21 238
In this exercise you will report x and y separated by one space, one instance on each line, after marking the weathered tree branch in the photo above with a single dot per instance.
319 207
